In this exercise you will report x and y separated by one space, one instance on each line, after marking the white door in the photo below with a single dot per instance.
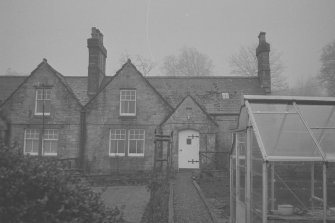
188 146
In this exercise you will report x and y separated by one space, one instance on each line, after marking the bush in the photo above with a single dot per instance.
33 189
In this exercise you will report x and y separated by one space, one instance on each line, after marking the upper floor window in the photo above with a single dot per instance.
50 142
117 143
136 142
128 102
42 101
31 140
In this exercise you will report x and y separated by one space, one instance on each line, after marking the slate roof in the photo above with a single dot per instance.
8 84
78 84
207 91
16 81
202 109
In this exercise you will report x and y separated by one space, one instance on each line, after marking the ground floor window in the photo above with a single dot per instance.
49 140
120 139
31 141
136 142
117 143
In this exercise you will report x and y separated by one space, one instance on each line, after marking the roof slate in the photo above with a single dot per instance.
8 84
78 84
19 80
207 91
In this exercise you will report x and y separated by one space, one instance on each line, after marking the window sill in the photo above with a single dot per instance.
50 154
41 116
31 154
117 155
44 155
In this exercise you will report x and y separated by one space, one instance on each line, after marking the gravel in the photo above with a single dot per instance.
188 206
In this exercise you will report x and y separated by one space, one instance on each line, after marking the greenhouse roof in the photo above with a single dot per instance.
291 128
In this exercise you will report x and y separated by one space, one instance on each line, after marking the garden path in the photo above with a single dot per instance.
188 206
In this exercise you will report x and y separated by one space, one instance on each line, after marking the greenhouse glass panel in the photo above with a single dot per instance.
317 181
326 139
286 135
275 107
243 119
331 185
322 125
256 182
325 115
293 185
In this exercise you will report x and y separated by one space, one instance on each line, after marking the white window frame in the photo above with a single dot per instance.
136 137
119 135
225 95
50 135
45 97
123 98
31 137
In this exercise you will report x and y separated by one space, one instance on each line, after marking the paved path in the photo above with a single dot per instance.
188 206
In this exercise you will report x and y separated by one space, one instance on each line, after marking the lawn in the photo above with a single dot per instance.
131 200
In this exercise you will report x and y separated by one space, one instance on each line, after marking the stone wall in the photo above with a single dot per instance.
103 114
19 111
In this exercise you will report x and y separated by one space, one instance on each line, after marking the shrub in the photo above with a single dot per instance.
33 189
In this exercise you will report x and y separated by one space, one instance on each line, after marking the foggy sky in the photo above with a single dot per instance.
58 30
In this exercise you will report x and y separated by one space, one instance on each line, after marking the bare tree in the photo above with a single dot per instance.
327 72
245 63
12 72
307 87
144 65
189 62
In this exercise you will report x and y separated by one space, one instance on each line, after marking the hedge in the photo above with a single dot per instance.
33 189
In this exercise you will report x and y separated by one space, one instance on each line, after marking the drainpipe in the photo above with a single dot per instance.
82 139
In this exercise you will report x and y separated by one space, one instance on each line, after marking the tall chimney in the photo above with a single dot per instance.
262 54
97 54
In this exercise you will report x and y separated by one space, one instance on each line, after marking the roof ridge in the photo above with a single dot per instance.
201 77
14 76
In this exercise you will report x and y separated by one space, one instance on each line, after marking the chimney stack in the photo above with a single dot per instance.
263 58
97 54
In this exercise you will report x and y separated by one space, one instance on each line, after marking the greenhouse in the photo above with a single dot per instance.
282 162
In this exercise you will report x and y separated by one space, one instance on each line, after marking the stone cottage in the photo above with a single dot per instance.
108 123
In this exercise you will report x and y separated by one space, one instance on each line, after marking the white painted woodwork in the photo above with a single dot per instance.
188 149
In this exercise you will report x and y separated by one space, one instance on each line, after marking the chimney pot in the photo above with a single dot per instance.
261 37
95 33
